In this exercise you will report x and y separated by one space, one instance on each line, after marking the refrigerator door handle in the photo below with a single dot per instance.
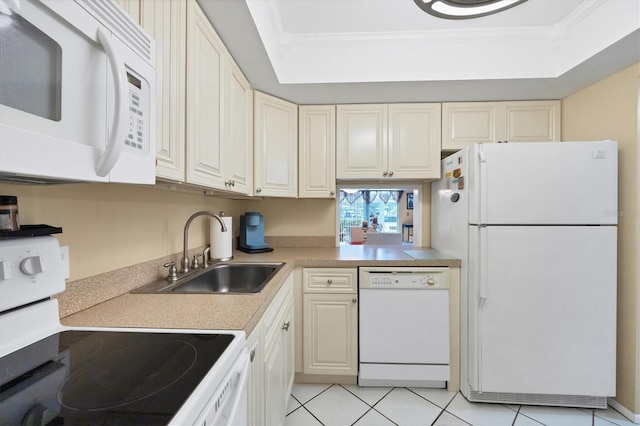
482 185
483 248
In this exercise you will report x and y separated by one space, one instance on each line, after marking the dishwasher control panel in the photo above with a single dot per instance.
404 278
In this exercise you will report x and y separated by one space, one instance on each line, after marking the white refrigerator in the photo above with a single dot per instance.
535 227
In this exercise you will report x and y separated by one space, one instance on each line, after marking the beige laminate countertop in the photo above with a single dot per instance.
242 311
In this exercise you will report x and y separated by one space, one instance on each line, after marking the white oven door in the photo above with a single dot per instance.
228 405
65 94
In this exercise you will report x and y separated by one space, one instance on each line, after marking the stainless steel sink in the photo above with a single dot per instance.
219 278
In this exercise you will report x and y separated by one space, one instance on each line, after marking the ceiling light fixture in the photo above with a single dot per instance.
465 9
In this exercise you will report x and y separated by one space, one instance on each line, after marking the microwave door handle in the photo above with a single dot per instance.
121 108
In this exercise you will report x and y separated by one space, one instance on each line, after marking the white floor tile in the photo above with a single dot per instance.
304 392
337 406
522 420
597 421
406 408
440 397
448 419
370 395
481 414
373 418
292 404
301 417
558 416
613 416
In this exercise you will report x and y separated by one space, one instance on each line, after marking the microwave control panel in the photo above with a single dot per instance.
137 137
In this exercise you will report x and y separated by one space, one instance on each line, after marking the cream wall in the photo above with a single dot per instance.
294 217
609 110
110 226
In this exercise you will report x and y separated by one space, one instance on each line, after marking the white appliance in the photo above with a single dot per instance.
403 322
77 93
73 375
534 226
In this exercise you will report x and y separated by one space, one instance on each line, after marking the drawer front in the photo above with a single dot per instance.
332 280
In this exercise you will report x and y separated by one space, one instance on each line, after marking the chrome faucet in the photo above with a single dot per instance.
185 256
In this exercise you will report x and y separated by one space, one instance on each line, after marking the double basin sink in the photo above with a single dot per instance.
219 278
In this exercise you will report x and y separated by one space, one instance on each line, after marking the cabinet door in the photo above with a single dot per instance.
531 121
317 144
133 9
274 381
275 147
166 22
361 141
466 123
330 334
205 53
238 130
414 141
255 385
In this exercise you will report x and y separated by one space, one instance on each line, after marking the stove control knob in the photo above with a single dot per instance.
431 281
32 265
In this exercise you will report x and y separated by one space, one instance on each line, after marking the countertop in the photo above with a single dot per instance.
242 311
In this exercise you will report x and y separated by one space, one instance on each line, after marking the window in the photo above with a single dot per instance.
376 210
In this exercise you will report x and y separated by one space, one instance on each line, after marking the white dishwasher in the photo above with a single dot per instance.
403 326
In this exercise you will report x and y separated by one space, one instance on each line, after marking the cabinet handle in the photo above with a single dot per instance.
385 173
329 281
252 355
333 193
354 300
258 189
232 182
285 326
391 173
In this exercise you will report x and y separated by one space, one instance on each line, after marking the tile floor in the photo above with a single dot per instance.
352 405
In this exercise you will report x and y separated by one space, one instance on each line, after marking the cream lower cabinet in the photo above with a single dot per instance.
395 141
275 148
330 318
272 369
465 123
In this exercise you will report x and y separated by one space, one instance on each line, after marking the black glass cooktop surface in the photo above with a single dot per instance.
105 378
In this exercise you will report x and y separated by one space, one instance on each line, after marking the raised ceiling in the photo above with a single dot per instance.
349 51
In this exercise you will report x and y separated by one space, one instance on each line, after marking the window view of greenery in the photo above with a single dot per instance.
373 210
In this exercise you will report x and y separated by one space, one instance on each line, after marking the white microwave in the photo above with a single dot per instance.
77 93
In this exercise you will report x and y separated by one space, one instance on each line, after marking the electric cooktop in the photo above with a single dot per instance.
105 377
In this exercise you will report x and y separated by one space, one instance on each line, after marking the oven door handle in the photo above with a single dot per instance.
117 135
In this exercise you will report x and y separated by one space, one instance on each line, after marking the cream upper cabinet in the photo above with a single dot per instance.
531 121
414 141
238 130
317 151
205 56
132 7
330 321
396 141
275 147
166 23
465 123
361 141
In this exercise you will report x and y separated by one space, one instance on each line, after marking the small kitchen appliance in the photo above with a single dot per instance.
53 374
77 100
534 225
252 233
